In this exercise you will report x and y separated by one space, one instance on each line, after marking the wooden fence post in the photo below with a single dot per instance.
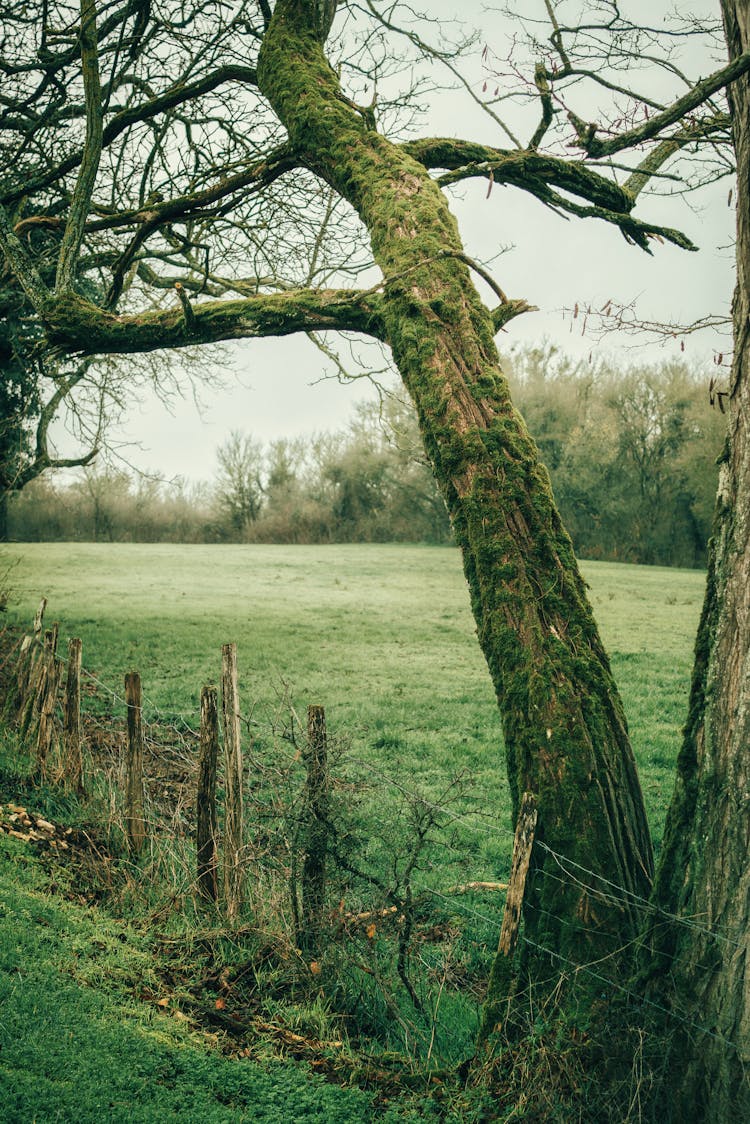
30 670
233 873
72 756
316 829
39 618
135 822
501 984
519 868
47 696
206 800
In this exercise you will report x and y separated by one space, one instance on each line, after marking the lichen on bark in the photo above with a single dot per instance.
565 732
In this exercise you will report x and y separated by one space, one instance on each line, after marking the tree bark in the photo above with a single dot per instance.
700 968
565 733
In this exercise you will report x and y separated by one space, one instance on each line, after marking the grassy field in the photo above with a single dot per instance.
380 635
383 637
78 1043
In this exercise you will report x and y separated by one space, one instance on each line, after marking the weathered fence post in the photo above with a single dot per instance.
39 618
30 670
233 873
72 756
519 868
28 658
317 788
135 822
206 800
47 696
500 990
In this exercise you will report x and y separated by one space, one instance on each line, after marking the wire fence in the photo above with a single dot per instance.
550 864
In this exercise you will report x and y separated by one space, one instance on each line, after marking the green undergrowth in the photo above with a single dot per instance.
77 1043
144 940
383 637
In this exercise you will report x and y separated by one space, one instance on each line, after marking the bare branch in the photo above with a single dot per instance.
92 149
653 126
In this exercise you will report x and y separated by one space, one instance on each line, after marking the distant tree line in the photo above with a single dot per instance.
366 483
632 454
632 458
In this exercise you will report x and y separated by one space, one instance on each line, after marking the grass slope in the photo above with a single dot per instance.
384 638
77 1045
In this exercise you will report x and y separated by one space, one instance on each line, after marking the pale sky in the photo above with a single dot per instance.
273 387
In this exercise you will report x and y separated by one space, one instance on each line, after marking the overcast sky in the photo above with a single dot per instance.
274 388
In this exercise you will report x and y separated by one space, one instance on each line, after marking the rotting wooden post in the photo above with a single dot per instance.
135 822
27 675
500 990
47 696
519 868
230 708
23 673
316 834
72 756
206 801
39 618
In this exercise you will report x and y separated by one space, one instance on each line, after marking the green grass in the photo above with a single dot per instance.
77 1043
380 635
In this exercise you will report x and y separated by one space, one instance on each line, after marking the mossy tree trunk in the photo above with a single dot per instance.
701 967
564 727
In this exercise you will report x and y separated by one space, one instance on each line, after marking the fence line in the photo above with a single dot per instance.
617 892
488 829
589 971
629 896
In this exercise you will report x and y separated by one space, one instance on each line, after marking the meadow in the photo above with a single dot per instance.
382 636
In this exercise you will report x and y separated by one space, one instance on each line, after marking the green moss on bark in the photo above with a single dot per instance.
565 732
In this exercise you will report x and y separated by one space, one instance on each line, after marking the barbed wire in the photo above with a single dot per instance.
628 896
589 968
608 980
505 833
616 892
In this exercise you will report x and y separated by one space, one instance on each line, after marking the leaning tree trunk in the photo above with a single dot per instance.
701 967
564 728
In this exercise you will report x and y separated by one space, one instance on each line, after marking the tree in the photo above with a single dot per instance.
631 452
703 874
292 123
240 488
32 390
